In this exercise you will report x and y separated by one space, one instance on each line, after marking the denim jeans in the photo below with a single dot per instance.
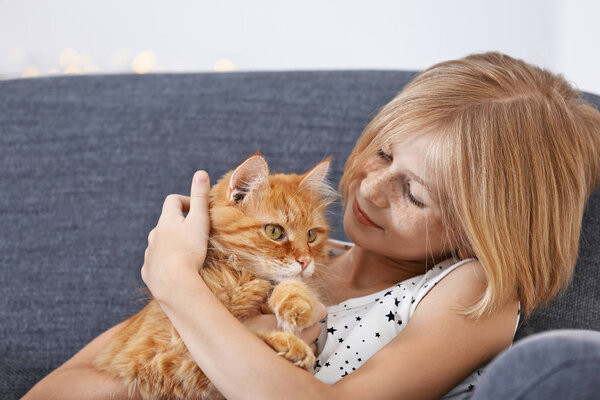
558 364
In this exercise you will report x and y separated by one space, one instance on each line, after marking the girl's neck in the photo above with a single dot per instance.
363 269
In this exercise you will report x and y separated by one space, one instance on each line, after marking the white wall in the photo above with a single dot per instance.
107 36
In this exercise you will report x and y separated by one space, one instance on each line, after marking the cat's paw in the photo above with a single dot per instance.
295 306
291 347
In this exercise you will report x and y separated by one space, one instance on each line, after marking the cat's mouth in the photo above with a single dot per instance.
278 272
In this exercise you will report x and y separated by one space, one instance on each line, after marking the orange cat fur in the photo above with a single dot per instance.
249 268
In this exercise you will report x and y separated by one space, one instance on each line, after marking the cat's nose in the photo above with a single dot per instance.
304 262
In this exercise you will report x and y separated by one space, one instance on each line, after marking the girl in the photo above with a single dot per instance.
463 198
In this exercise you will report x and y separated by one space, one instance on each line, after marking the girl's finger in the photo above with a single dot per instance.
322 311
199 199
311 333
175 205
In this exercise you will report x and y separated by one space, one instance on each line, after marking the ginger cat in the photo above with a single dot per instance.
268 233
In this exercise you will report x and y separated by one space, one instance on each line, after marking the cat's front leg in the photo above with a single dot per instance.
295 306
289 346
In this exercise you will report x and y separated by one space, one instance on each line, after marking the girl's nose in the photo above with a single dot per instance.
373 188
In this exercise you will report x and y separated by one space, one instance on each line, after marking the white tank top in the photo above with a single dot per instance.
357 328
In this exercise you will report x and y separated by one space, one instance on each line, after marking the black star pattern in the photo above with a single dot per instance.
471 387
394 315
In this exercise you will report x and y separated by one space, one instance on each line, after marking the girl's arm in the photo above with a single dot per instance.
239 364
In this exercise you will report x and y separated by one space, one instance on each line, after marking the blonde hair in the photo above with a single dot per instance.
516 154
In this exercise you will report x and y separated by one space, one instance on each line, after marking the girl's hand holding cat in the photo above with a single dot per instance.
177 245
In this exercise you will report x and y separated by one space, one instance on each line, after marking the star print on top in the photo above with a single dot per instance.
357 328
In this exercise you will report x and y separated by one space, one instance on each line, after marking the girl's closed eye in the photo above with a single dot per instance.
411 198
383 155
387 157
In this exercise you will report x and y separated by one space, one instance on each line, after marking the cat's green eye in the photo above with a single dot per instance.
273 231
311 235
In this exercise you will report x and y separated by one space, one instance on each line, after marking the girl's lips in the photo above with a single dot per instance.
362 217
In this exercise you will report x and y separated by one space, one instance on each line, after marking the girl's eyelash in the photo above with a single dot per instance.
411 198
384 155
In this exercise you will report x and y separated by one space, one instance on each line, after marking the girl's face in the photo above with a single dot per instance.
391 209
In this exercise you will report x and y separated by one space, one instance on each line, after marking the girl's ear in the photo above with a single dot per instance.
316 179
251 175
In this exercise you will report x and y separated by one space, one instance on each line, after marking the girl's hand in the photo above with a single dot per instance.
177 245
268 322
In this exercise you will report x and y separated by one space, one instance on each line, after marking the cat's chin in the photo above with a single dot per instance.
297 277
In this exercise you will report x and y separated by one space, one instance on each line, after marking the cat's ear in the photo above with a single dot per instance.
252 174
316 179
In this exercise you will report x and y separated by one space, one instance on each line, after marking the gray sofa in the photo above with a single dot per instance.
86 162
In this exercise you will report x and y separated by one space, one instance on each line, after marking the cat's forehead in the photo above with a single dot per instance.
288 187
285 201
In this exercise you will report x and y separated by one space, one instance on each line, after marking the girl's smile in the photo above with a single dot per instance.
362 217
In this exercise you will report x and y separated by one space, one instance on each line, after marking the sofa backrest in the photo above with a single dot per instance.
86 162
